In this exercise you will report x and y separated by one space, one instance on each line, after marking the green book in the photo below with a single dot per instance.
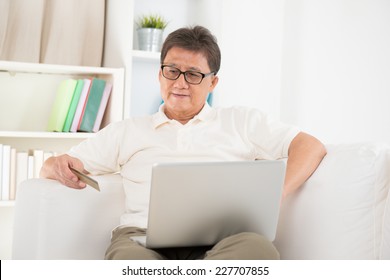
73 105
61 105
92 105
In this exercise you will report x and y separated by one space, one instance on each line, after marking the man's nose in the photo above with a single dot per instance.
181 81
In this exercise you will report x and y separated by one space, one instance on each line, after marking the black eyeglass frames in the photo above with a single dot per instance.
191 77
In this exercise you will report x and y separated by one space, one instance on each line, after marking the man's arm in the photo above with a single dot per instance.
57 168
304 155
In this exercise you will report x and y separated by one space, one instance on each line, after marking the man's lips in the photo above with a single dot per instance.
180 94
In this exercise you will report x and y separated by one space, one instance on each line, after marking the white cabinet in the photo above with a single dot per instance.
27 93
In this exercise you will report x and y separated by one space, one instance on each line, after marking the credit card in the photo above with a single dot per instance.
86 179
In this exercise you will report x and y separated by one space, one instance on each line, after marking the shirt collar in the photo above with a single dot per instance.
159 118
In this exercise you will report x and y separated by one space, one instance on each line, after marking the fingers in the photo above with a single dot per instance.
71 181
64 175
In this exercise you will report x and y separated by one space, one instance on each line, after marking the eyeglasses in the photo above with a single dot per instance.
191 77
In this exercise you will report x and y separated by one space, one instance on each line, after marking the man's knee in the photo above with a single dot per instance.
123 248
245 245
133 252
259 245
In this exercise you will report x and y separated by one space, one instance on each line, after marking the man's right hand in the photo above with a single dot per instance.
57 168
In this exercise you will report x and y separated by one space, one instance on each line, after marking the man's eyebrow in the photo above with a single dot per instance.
178 66
194 69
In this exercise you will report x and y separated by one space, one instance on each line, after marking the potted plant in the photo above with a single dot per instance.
150 31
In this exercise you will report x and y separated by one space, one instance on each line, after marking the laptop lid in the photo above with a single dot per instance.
196 204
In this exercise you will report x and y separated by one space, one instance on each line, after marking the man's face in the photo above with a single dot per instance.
182 99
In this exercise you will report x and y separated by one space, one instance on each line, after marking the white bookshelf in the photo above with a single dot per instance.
27 93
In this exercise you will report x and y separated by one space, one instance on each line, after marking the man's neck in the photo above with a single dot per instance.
183 117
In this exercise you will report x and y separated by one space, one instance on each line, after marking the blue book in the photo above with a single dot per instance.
92 106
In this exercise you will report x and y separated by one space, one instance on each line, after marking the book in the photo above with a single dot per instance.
73 105
6 174
21 167
1 168
30 167
12 180
61 105
38 162
92 105
102 108
80 105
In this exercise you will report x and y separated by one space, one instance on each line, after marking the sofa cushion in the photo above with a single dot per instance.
385 252
56 222
339 212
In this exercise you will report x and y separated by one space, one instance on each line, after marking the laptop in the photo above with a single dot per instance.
199 204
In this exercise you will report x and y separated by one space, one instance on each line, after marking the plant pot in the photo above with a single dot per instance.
150 39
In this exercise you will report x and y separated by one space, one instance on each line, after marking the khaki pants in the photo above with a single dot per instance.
241 246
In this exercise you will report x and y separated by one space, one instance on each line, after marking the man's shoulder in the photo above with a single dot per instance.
238 111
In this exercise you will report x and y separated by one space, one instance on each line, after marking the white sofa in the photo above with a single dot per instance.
342 212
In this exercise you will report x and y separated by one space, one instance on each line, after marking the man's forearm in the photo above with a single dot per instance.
305 154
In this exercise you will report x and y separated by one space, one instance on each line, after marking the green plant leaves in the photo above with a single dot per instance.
152 21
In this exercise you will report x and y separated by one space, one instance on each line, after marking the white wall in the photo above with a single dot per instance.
250 39
336 69
323 65
249 33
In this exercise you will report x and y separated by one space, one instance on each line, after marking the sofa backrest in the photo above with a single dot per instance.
342 211
385 248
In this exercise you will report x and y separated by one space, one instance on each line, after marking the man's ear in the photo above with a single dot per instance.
214 83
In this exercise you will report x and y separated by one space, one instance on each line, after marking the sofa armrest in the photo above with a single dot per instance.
56 222
340 212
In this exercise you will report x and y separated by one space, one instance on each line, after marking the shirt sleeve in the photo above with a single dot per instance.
270 138
99 153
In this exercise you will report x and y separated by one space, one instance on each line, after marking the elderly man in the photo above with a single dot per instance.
186 128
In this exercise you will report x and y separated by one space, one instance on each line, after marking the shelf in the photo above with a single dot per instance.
7 203
46 135
26 100
29 90
145 56
58 142
13 67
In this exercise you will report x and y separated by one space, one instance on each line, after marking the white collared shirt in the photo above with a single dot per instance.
132 146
